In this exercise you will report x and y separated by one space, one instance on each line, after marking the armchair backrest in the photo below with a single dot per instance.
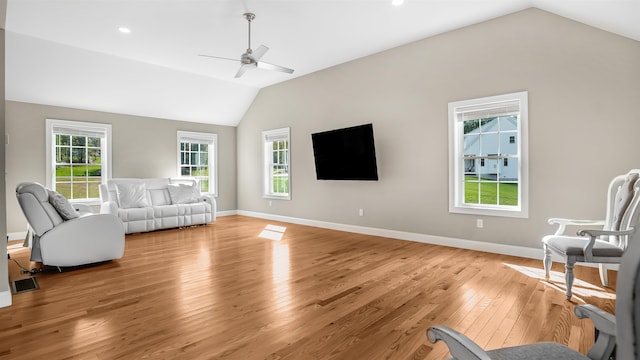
34 201
628 302
623 199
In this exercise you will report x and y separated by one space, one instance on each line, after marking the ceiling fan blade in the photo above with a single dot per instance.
243 69
259 52
218 57
267 66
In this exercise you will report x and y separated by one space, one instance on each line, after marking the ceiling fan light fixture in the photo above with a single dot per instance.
250 59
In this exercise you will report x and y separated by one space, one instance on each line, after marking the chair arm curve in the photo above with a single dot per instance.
553 221
605 324
596 233
593 234
460 346
563 223
602 320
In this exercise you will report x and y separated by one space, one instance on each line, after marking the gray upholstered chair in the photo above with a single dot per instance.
598 246
61 236
621 332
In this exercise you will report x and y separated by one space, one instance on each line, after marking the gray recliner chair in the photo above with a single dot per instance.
85 239
621 331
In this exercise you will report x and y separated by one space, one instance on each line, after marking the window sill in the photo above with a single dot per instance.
483 211
277 197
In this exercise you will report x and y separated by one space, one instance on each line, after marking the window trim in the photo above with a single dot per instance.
266 163
456 143
50 154
213 146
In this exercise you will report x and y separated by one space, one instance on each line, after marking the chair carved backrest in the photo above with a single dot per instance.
622 206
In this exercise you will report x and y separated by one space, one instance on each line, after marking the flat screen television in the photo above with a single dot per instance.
345 154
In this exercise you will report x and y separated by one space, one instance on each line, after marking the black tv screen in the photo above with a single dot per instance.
345 154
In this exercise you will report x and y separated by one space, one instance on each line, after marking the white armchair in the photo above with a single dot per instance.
601 246
85 239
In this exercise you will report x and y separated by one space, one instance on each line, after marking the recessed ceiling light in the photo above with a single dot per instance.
125 30
397 2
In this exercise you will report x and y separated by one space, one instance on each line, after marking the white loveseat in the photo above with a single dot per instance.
154 204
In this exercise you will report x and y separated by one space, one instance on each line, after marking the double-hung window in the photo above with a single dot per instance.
197 159
488 156
277 170
78 158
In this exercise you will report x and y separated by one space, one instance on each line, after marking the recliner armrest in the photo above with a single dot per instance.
210 199
109 207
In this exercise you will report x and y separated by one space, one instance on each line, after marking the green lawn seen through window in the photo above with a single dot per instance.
489 194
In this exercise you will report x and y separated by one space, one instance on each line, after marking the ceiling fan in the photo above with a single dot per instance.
250 59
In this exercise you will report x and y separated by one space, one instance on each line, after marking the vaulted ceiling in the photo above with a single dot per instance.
70 52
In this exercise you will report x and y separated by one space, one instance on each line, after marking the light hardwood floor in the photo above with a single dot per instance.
222 292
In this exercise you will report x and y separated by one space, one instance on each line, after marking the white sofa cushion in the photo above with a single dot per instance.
132 195
159 197
184 194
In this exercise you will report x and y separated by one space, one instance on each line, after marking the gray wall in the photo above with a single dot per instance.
142 147
583 86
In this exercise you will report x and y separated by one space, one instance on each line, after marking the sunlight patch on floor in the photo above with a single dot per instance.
280 269
556 281
273 232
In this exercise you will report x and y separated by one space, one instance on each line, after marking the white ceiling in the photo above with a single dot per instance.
70 52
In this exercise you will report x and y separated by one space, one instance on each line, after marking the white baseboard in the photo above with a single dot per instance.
226 213
16 235
5 298
502 249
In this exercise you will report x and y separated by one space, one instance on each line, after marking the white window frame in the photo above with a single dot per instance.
78 127
267 149
456 157
201 138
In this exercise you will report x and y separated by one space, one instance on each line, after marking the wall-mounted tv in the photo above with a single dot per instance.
345 154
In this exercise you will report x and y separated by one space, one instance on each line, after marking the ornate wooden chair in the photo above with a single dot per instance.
620 332
592 245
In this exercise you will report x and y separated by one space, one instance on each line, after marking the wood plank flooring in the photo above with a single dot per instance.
222 292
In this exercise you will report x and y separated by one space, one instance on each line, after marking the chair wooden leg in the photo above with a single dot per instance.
547 262
568 278
604 277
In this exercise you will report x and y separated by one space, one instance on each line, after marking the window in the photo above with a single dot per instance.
488 156
79 158
197 158
277 179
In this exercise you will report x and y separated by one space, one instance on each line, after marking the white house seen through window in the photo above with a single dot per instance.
488 147
197 158
78 156
276 148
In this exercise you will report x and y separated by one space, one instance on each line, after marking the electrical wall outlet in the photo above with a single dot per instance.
479 223
361 212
